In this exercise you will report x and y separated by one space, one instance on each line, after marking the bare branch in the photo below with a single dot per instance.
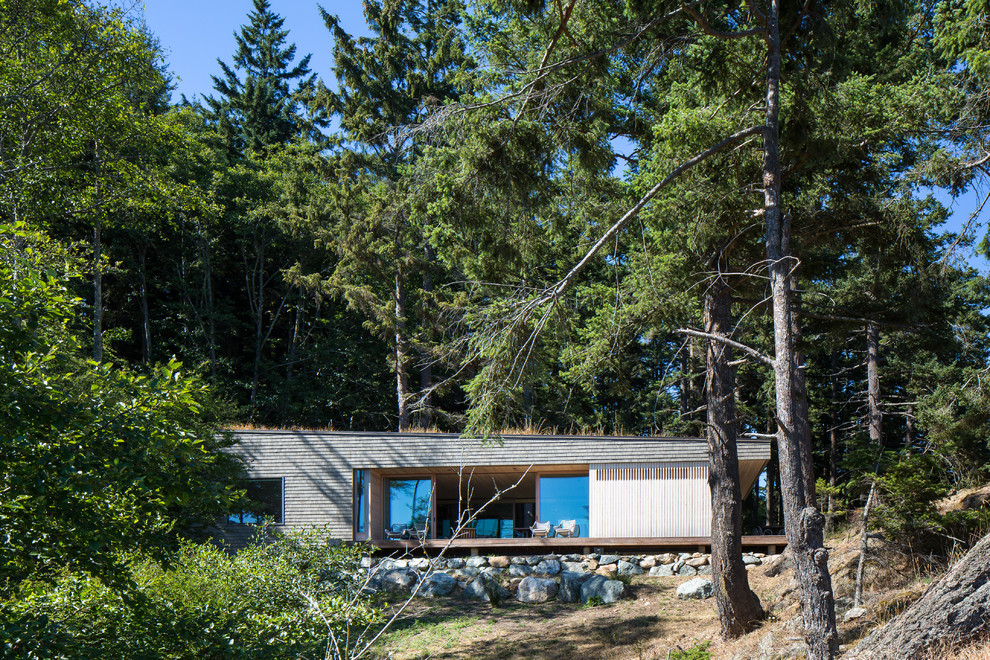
709 30
728 342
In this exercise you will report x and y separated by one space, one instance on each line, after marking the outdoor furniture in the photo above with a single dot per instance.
421 530
540 529
486 528
397 531
567 528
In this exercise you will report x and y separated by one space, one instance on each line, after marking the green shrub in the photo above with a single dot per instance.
286 599
697 652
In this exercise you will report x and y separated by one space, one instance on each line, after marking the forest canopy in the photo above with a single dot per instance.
610 217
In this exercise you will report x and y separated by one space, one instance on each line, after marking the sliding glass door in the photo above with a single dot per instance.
565 498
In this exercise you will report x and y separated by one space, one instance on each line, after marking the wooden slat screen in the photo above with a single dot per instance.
649 500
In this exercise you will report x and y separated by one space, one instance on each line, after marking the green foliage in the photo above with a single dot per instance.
98 459
288 597
697 652
906 508
594 601
261 109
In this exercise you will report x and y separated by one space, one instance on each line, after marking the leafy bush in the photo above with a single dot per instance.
99 460
294 597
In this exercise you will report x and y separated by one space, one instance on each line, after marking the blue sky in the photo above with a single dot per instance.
194 34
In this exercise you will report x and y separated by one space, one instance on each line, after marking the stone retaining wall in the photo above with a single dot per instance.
535 578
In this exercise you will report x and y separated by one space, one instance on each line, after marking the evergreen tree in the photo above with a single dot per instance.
388 85
257 105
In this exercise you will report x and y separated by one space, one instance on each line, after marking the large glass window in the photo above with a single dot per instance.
565 498
409 502
360 501
264 501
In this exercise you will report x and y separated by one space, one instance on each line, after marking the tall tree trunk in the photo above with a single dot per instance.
426 371
145 315
874 415
833 442
401 352
801 412
909 430
864 547
875 420
739 608
773 489
97 290
803 523
259 311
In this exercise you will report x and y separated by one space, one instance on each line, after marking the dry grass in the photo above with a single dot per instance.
512 430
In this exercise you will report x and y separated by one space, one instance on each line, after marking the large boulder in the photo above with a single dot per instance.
498 562
629 568
455 562
956 608
519 570
663 570
608 559
698 588
476 562
608 571
648 562
599 586
466 573
483 586
547 567
686 570
750 560
437 584
536 590
570 585
399 579
696 562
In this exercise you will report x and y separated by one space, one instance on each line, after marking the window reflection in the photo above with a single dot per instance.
565 498
409 501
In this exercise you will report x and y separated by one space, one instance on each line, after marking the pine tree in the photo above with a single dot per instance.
388 84
261 109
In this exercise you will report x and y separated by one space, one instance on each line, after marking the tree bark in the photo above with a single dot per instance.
833 442
739 608
875 416
864 547
802 522
955 608
426 371
801 411
401 352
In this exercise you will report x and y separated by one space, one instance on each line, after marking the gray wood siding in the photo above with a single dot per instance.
318 467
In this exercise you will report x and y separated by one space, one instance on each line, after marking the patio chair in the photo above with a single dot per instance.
397 531
540 529
567 528
421 530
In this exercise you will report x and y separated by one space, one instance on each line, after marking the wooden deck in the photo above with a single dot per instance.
768 544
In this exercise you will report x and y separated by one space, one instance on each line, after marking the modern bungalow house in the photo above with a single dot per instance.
400 489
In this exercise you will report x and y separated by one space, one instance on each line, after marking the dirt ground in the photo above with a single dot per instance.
647 624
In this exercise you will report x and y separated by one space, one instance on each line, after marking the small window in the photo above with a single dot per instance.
264 501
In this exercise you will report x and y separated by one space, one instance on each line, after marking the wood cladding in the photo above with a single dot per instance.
650 500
